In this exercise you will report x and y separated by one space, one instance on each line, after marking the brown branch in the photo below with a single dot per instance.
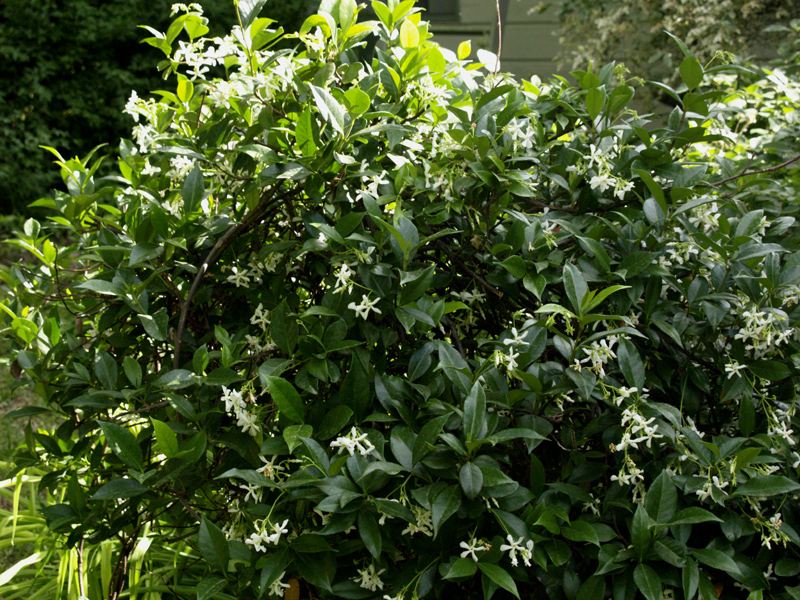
499 37
469 271
144 409
81 587
222 244
190 509
745 173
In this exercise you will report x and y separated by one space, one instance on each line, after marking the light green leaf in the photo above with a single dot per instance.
331 110
304 133
166 438
691 72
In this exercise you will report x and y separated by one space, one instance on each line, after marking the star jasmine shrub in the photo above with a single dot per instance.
384 324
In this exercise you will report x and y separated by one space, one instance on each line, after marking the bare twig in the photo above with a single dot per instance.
190 509
745 173
469 271
250 219
499 37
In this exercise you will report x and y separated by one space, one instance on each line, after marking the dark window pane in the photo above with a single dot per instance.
439 10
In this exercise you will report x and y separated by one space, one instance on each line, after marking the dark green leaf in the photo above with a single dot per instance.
648 582
471 480
123 443
630 363
462 568
474 412
286 398
662 499
499 576
447 502
193 190
575 286
213 545
119 488
771 370
105 367
692 515
593 588
767 485
716 559
370 533
210 587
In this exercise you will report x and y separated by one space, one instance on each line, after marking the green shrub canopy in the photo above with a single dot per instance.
408 328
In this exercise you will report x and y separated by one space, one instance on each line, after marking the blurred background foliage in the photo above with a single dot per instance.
632 31
68 67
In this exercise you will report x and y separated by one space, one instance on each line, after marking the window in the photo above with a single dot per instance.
439 10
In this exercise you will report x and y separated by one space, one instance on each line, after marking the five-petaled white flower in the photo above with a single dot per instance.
526 551
353 441
277 586
239 278
362 310
471 547
369 579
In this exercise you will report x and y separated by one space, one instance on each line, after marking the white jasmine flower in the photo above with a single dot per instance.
253 491
370 579
277 587
343 278
278 530
733 368
270 469
601 182
424 522
233 400
516 338
247 421
516 546
362 310
239 278
623 393
353 441
260 317
272 261
471 547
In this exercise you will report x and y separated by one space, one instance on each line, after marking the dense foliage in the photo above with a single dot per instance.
409 328
68 68
633 31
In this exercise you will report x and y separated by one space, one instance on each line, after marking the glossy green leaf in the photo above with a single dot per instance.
286 398
123 443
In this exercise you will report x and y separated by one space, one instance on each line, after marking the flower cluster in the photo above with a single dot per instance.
352 442
236 405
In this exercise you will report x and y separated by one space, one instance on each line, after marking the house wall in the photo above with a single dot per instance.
530 41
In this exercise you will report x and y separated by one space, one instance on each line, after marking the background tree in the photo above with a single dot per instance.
632 31
68 67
